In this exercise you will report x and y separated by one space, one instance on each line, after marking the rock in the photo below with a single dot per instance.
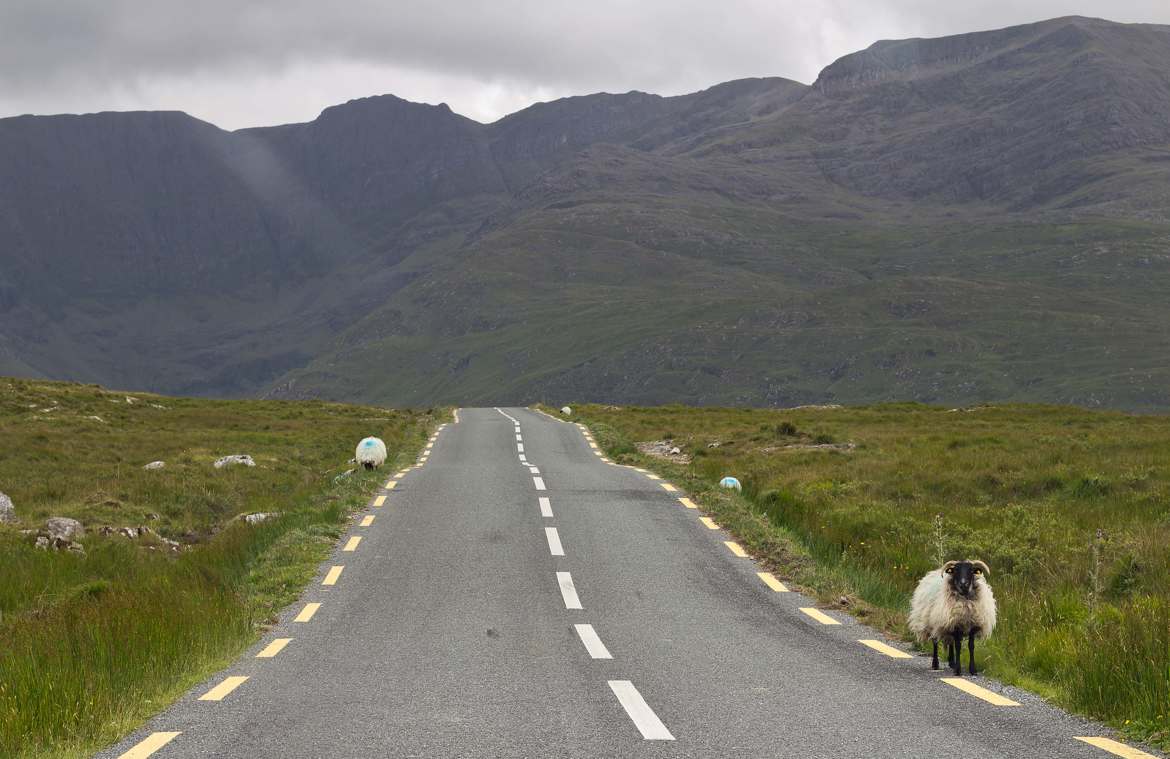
155 465
714 444
343 476
64 528
256 517
236 458
130 400
7 510
675 451
42 542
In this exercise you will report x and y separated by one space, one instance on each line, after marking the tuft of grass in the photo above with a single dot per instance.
1071 509
96 644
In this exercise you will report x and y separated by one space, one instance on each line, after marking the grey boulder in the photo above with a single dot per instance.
234 459
63 528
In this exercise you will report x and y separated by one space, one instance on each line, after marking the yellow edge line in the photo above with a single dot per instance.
771 581
1113 747
331 577
978 692
669 488
352 543
367 520
735 548
709 522
307 612
391 485
819 615
149 745
273 648
688 503
380 500
223 689
882 648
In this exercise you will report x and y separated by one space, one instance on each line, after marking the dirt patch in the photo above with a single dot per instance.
840 447
663 449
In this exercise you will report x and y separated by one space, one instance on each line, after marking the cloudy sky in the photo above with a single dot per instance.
239 63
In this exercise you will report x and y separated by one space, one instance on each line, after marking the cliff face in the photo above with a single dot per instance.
660 237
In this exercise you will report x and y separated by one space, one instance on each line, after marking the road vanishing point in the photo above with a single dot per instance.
516 594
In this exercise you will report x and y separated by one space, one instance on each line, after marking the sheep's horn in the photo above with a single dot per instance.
981 565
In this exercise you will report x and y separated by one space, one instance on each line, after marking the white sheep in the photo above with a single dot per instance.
950 603
566 410
371 453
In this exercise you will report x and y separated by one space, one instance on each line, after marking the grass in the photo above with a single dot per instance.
1071 509
95 644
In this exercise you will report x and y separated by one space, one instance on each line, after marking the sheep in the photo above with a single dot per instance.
952 602
371 453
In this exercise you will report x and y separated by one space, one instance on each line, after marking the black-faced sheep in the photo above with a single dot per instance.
950 603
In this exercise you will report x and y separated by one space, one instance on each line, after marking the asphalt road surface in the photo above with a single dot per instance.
518 596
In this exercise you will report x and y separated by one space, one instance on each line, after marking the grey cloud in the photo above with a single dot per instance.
52 50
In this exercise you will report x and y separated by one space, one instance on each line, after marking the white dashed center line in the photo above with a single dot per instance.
533 470
520 447
554 541
539 483
640 712
545 507
568 590
593 644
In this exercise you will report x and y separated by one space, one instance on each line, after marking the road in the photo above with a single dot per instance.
518 596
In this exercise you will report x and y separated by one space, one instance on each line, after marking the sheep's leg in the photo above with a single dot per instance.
934 660
957 643
971 652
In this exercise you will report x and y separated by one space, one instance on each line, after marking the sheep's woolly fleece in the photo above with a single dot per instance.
371 452
934 611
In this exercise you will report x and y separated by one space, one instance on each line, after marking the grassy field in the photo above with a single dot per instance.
1070 508
94 644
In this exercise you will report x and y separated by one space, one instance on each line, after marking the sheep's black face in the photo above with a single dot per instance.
962 575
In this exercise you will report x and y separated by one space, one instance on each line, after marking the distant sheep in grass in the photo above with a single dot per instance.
371 453
950 603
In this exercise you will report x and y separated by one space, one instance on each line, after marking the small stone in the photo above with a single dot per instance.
675 451
259 517
237 458
64 528
155 465
7 510
42 542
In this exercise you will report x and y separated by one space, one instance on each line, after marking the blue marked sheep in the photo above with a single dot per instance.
371 453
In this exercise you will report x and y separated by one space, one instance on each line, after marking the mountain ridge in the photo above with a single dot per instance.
627 247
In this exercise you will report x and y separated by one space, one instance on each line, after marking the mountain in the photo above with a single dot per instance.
971 218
